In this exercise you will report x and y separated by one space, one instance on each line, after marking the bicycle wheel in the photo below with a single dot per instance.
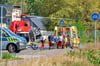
34 46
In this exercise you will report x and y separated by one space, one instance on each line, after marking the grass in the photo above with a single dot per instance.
86 41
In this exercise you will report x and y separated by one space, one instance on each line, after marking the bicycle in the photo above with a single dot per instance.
33 46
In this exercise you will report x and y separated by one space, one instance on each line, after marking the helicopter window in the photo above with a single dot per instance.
31 23
26 24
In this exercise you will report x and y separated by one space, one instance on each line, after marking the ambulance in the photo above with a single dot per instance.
71 33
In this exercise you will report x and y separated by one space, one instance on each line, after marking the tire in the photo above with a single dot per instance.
12 48
79 45
71 47
34 47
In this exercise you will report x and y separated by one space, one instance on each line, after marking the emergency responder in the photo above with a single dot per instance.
65 40
43 39
32 35
50 39
60 40
16 28
68 37
55 40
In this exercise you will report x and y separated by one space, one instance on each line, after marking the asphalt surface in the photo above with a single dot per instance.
29 50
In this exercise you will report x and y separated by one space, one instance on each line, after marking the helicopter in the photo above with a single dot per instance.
25 25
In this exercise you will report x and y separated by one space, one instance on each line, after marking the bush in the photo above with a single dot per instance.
93 56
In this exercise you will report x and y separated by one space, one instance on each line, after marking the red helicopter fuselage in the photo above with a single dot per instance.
20 27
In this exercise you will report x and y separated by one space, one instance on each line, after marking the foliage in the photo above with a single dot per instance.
76 10
48 7
92 55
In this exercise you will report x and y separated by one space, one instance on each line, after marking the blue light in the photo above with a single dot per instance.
70 25
57 25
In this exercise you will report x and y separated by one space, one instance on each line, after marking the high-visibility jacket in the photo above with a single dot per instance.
65 40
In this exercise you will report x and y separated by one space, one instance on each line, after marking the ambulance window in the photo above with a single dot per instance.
74 34
67 33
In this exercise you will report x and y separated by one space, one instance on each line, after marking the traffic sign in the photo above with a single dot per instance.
95 16
4 11
61 23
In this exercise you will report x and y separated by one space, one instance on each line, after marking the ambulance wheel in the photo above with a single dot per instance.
12 48
79 45
71 47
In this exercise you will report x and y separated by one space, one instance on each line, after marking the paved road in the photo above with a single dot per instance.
29 50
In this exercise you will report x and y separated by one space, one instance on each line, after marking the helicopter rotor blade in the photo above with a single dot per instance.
43 17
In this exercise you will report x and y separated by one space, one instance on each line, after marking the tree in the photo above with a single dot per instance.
48 7
72 9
